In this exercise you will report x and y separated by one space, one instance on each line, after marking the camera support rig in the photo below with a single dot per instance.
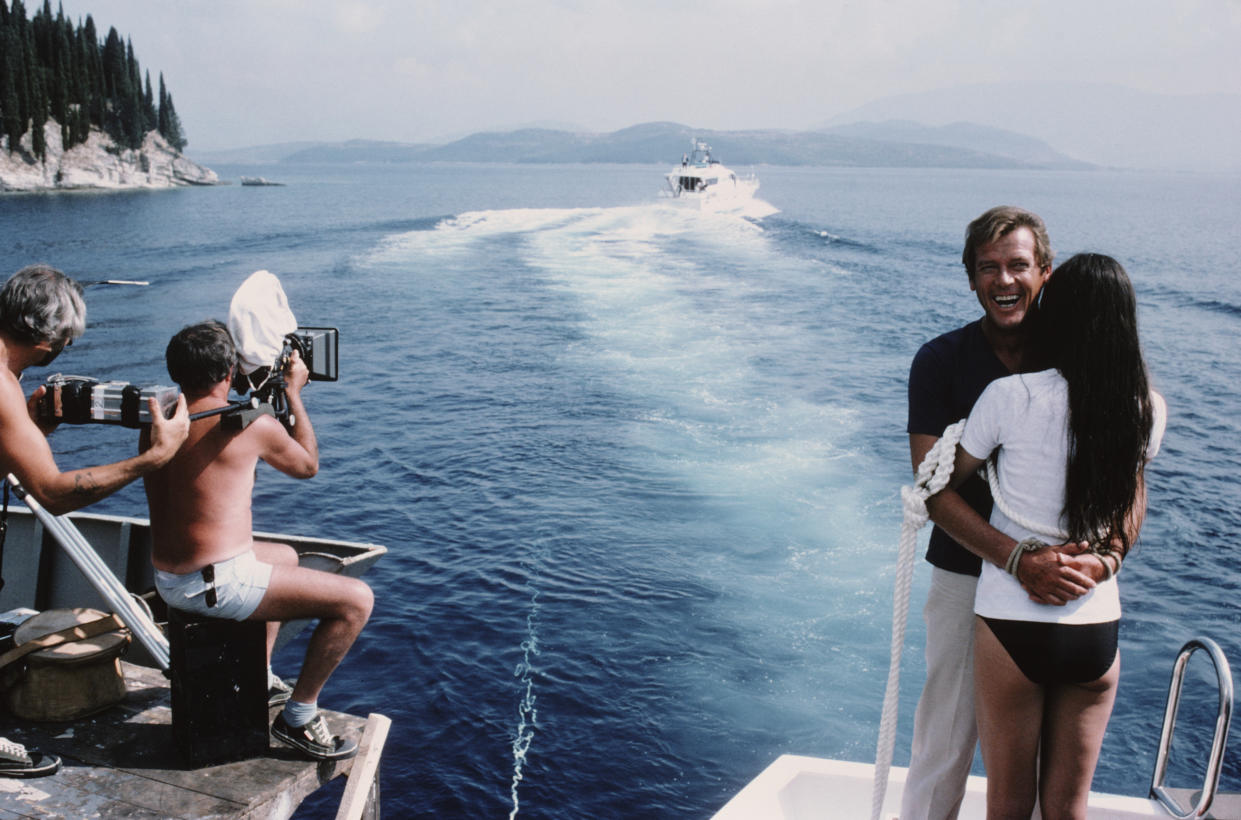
318 347
83 400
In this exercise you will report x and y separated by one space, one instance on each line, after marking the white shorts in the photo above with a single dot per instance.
230 589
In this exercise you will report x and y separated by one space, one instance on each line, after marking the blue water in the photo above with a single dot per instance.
638 468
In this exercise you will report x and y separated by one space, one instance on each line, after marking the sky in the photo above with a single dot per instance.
256 72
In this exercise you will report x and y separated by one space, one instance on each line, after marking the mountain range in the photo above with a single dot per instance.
888 144
1008 125
1105 124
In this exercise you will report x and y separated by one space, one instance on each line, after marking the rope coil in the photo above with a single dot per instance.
932 476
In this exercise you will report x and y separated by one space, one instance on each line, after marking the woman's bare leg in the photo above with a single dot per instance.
1074 720
1010 717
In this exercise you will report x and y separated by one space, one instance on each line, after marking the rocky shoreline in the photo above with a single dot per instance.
98 164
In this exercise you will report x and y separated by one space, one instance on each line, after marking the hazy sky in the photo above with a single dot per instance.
251 72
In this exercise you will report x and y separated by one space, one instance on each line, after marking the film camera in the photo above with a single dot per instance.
319 349
83 400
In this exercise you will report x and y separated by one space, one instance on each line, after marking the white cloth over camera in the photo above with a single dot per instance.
259 318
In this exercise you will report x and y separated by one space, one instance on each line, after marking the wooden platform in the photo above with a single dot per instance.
122 763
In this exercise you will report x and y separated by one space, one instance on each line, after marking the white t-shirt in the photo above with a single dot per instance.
1026 417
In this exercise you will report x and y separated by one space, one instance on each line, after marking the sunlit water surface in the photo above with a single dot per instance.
638 466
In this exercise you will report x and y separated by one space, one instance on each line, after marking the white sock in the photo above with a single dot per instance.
297 713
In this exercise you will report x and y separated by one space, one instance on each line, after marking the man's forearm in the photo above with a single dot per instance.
956 517
1045 573
303 432
75 489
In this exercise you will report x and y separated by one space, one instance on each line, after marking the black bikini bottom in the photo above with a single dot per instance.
1050 654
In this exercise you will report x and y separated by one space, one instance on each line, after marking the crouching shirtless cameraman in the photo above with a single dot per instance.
205 556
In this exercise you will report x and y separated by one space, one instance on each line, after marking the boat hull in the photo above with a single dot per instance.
796 788
39 574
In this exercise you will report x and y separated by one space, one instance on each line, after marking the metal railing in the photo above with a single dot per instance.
1211 779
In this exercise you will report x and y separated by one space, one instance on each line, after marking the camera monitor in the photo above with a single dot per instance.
319 347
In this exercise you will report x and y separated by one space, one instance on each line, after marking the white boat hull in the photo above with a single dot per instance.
725 195
806 788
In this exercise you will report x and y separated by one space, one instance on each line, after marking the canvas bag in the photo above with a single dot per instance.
66 665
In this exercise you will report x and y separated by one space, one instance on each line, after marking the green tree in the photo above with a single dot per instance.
38 114
14 125
50 69
150 119
169 122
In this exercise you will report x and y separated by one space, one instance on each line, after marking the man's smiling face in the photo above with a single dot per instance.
1007 278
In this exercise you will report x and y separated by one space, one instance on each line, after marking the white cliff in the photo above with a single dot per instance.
97 164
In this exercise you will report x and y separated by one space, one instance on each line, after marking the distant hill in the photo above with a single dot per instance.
870 145
1108 125
981 138
255 155
358 151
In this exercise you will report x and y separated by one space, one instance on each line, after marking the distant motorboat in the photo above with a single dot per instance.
702 179
259 181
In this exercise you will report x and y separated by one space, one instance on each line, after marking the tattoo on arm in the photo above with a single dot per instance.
84 485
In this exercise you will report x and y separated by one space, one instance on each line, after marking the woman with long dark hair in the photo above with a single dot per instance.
1070 444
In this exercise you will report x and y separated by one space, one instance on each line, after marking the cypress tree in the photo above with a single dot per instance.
150 120
50 69
92 63
14 125
115 87
8 95
169 119
60 98
19 63
38 114
162 114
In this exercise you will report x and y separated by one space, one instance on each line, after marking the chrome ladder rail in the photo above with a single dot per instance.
1211 781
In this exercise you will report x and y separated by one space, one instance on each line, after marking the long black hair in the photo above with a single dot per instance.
1088 329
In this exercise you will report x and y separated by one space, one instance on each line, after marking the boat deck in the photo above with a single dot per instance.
123 763
795 787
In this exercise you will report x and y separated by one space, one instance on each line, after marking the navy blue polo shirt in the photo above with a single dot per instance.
947 376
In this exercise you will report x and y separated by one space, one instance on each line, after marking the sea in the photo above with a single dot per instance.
638 466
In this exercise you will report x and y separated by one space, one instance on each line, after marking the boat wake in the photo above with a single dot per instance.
527 715
672 334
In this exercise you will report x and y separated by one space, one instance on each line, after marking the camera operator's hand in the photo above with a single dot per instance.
46 424
296 374
167 435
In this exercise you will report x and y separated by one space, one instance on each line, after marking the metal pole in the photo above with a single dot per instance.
100 577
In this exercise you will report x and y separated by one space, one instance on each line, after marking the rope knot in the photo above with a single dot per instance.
915 506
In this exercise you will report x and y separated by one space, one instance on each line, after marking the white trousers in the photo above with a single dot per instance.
945 732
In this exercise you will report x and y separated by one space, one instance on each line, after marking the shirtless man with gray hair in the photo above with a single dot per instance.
41 313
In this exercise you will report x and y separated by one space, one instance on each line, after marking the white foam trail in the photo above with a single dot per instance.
527 715
634 223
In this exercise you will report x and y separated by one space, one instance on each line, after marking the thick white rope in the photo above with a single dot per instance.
933 474
993 481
